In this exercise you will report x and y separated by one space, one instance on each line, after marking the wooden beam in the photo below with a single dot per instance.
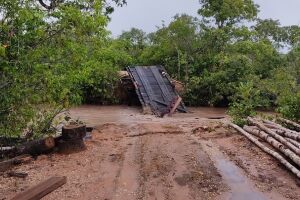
175 105
42 189
165 104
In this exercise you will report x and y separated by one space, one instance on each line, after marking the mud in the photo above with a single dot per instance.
135 156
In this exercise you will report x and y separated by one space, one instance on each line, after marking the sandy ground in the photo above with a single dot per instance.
135 156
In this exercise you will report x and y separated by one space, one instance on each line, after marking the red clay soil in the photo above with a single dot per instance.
135 156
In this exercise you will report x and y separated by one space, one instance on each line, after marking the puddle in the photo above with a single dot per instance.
239 184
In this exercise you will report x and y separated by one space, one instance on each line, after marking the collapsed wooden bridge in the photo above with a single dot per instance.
155 90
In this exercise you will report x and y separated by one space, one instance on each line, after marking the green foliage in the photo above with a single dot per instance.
56 55
228 12
50 59
289 106
245 101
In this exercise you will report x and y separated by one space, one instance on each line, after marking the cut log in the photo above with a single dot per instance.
297 144
275 135
36 147
273 125
71 132
6 148
175 105
17 174
277 145
290 123
7 152
283 132
42 189
7 164
276 155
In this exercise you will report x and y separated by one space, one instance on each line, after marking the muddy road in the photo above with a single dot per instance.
135 156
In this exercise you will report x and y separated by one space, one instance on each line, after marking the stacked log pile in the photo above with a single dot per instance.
282 141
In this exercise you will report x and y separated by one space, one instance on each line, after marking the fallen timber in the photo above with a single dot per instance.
276 155
289 123
71 140
275 135
34 148
7 164
273 142
282 130
295 143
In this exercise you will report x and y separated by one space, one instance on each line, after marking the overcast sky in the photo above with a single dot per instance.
147 14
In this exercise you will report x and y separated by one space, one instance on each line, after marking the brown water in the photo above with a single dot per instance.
240 186
95 115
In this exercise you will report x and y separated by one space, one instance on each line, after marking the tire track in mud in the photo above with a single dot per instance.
172 167
153 171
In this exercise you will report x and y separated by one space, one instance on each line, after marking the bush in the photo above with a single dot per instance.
246 100
289 106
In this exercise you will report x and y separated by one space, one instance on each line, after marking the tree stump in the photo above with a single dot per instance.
71 140
71 132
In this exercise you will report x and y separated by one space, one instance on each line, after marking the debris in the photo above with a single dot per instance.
290 123
17 174
275 135
42 189
273 142
155 89
7 164
276 155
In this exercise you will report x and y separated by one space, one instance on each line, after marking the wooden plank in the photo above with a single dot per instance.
42 189
176 104
173 90
135 82
161 84
148 90
154 89
163 103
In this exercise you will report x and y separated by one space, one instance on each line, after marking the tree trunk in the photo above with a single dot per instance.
283 131
275 135
36 147
291 123
274 143
71 132
72 139
297 144
7 164
276 155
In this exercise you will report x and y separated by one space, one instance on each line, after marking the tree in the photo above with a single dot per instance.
227 12
136 41
49 59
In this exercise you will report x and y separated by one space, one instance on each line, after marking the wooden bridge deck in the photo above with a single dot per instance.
155 89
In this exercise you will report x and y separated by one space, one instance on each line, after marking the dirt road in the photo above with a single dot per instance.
135 156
